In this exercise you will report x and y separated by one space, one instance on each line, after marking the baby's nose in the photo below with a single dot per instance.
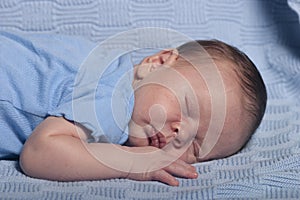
170 136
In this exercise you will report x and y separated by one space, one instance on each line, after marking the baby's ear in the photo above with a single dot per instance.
152 63
164 57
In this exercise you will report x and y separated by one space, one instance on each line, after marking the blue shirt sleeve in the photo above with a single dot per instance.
37 74
112 101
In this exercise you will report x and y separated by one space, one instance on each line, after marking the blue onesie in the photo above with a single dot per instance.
37 75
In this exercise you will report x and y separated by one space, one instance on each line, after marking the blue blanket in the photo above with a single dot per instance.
268 31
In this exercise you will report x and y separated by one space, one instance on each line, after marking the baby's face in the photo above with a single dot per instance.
158 120
168 100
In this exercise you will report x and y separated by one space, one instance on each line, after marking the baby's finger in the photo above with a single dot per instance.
162 140
165 177
181 170
154 141
188 166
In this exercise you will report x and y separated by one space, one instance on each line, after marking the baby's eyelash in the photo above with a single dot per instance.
196 149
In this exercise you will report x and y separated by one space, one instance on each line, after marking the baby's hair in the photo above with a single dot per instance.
249 78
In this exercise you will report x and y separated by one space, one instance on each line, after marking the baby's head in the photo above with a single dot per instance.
175 101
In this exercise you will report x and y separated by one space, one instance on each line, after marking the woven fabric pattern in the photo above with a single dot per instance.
267 30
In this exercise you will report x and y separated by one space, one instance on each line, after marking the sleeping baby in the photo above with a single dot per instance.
200 101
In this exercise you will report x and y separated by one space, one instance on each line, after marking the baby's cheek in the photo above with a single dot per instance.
158 116
137 135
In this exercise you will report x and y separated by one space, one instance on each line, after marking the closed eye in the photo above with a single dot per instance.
196 149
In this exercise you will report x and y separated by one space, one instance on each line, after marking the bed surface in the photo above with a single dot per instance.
267 30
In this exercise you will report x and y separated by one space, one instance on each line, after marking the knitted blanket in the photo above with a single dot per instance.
267 30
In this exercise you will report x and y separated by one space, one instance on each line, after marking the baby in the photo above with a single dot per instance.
188 107
245 104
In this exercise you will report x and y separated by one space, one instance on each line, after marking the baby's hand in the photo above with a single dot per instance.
167 175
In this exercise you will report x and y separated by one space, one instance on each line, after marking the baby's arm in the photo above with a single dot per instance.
55 151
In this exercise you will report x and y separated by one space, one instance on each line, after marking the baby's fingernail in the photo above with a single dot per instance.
175 182
195 175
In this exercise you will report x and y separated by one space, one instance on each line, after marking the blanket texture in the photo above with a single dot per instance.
267 30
